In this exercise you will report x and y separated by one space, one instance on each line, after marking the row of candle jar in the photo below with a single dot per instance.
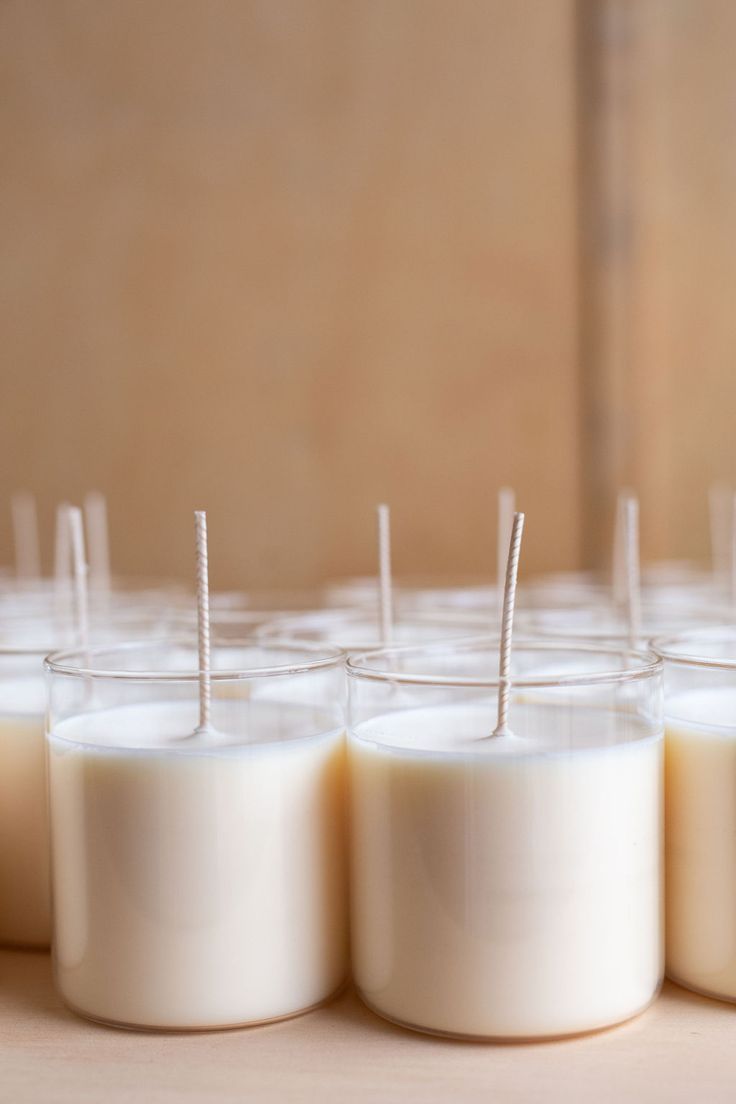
501 887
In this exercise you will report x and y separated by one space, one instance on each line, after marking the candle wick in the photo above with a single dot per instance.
633 569
63 585
719 508
25 535
619 550
79 562
507 626
506 510
203 622
95 516
385 587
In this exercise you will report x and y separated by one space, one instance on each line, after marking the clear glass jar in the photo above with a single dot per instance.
700 724
359 630
608 624
25 911
198 880
506 887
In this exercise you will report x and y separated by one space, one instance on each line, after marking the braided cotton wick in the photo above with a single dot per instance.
633 580
203 621
25 535
506 511
62 562
507 627
384 574
79 560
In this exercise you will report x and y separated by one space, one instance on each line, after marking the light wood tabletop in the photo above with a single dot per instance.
682 1049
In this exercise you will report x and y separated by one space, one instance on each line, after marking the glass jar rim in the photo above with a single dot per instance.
667 647
649 664
322 657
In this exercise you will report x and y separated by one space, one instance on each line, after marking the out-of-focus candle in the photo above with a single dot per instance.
25 914
356 630
510 886
24 858
198 878
700 715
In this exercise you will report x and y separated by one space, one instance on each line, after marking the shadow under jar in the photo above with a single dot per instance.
198 879
506 887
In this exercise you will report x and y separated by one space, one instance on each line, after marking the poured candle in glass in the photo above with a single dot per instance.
700 717
198 873
25 913
506 880
359 630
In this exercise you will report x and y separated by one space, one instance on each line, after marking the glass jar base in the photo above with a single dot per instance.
204 1029
700 990
461 1036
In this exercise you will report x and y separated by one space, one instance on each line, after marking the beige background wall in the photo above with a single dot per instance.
284 259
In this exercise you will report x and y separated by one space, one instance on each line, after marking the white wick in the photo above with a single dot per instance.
385 588
633 571
95 515
618 562
62 560
719 510
25 535
76 533
507 626
506 510
203 622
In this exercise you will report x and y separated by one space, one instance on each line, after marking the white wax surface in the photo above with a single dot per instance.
169 727
198 881
506 887
701 840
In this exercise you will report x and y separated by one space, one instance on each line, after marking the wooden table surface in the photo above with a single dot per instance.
682 1050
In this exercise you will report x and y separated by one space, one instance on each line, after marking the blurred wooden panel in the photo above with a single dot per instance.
286 259
659 264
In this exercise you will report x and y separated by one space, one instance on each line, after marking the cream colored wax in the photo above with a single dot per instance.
198 881
701 840
24 852
504 887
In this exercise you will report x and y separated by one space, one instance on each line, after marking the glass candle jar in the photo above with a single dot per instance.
359 630
607 624
25 910
25 913
198 880
506 887
412 593
700 720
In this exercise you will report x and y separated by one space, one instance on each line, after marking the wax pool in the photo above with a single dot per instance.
198 881
701 840
510 887
24 854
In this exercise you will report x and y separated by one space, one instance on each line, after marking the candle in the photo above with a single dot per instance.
197 871
700 713
506 886
24 862
24 859
356 630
